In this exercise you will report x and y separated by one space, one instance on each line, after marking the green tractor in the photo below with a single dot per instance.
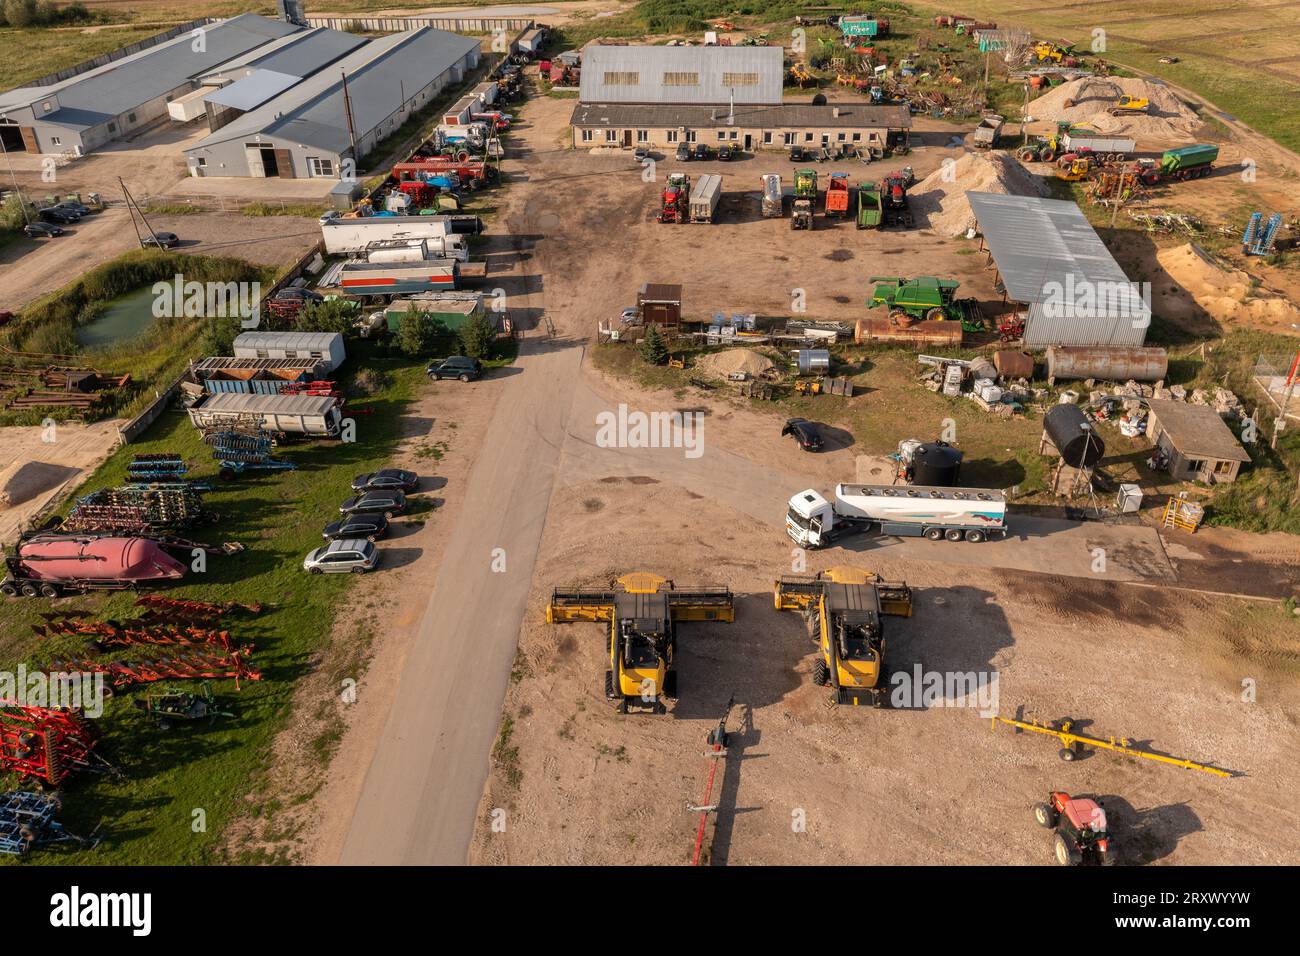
1047 148
927 298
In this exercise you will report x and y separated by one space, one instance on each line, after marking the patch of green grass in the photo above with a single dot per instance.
306 210
173 209
506 756
148 815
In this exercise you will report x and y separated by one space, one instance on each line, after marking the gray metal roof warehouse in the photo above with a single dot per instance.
126 94
850 115
681 74
1051 260
306 127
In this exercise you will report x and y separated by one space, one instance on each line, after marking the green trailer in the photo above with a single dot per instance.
869 210
925 299
1188 161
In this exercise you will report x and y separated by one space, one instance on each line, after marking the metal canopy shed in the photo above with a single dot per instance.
1051 261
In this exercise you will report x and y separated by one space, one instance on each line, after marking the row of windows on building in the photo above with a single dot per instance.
788 138
633 78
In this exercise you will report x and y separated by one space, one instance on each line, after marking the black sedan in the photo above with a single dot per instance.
369 526
683 153
386 480
701 151
163 240
805 433
386 503
42 230
62 216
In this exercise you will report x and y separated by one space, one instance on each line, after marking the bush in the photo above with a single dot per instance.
20 13
477 336
654 350
332 315
418 334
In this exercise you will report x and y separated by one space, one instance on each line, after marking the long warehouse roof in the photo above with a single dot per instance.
784 115
104 93
312 112
1046 247
682 74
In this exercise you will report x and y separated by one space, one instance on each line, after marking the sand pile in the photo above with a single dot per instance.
732 361
1084 103
1198 287
940 200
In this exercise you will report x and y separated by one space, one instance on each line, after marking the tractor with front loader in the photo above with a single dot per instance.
643 611
1080 825
842 608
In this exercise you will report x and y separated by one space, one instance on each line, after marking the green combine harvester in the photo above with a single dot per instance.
869 209
925 299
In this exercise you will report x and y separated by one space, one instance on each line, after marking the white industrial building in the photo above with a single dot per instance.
662 97
309 128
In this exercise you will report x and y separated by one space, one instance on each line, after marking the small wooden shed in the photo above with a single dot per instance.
1199 445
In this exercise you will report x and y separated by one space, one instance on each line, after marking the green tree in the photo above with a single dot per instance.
20 13
418 334
476 336
654 349
332 315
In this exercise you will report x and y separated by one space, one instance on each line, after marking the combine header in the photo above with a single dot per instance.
842 608
643 611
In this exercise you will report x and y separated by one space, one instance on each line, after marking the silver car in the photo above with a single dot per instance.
356 555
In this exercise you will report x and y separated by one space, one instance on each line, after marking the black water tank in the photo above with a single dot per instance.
1080 447
936 464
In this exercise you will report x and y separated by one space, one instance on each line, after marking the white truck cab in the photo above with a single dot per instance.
954 514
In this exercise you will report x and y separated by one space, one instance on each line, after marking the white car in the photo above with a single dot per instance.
354 555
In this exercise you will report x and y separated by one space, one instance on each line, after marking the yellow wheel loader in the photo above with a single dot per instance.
842 608
643 611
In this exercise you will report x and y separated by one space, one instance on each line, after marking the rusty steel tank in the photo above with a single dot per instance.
1112 363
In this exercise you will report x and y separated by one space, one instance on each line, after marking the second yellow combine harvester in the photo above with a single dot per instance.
843 608
643 611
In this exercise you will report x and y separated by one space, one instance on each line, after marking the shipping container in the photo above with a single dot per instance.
283 414
398 278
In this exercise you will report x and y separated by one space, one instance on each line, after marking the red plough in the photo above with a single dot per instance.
156 605
193 665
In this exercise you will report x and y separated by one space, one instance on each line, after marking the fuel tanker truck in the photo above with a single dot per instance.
48 564
936 513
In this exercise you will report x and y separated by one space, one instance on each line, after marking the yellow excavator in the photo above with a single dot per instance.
1129 105
643 611
842 608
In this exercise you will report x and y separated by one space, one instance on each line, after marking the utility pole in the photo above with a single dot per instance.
347 110
1280 422
18 193
133 207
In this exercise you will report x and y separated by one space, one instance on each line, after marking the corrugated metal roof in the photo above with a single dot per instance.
1049 256
276 404
312 112
784 116
311 341
102 94
664 74
253 90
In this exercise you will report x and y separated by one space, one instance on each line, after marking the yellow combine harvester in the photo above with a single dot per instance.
842 608
643 611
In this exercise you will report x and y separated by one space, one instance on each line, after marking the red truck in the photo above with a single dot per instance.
837 195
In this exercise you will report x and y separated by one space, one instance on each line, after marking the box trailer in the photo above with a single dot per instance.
398 278
351 236
1116 148
311 415
705 196
955 514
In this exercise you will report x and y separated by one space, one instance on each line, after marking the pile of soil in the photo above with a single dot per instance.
722 364
1194 286
1084 102
941 199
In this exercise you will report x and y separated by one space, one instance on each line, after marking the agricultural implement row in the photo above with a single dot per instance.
47 744
113 634
194 665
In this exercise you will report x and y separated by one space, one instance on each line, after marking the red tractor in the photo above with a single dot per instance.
1080 826
675 200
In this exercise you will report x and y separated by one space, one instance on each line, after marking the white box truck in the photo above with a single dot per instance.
957 514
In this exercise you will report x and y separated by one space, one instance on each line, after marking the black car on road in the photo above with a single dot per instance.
805 433
387 479
369 526
163 240
61 216
457 366
386 503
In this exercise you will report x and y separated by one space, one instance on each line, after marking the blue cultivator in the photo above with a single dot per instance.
239 452
27 821
1259 236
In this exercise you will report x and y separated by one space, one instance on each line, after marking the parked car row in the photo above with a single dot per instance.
702 151
350 541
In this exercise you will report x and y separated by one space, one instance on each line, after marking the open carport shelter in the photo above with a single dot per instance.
1053 267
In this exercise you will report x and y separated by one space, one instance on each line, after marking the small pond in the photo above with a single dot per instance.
125 318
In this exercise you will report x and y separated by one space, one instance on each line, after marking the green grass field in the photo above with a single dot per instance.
148 815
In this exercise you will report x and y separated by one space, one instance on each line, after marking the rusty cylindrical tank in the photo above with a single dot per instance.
1114 363
1011 363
